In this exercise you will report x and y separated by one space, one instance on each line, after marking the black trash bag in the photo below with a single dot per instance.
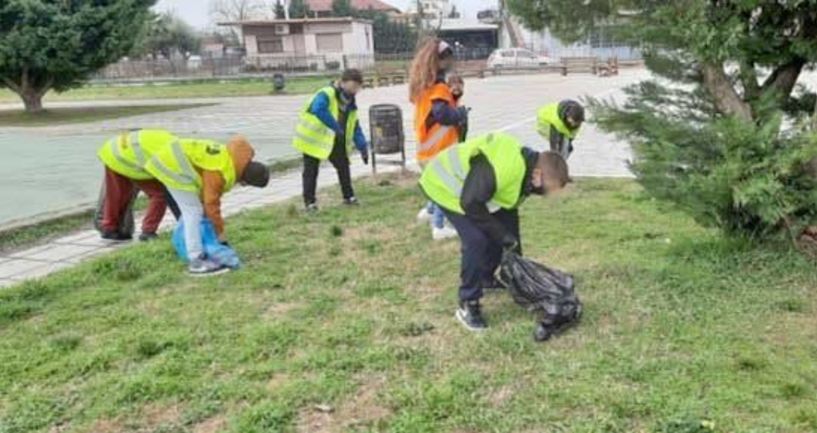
547 292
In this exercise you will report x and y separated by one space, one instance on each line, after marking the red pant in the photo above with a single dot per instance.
120 190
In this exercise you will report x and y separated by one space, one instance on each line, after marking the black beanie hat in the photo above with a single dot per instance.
571 108
256 174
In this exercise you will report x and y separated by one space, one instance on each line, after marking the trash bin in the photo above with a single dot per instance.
388 138
278 82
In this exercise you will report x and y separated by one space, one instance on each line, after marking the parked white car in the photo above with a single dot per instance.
516 58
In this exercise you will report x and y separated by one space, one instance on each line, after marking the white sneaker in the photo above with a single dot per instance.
444 233
424 216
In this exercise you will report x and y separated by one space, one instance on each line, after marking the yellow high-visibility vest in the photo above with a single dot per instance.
444 178
129 152
313 138
176 165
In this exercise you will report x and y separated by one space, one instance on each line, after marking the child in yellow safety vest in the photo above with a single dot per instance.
198 173
559 124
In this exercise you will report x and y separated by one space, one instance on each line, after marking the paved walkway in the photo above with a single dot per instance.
503 103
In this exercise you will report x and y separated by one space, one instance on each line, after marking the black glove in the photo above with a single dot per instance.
464 113
224 243
365 157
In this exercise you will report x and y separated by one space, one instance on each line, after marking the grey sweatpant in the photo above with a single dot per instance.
192 213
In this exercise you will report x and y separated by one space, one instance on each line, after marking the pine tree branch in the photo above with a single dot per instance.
748 77
727 100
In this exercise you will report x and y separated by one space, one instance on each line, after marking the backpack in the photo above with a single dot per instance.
541 290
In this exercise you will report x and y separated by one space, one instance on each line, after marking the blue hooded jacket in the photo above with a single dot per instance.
320 108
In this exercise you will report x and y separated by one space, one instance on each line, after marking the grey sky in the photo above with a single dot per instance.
196 12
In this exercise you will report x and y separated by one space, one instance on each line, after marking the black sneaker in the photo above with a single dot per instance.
311 208
351 201
147 237
470 315
116 236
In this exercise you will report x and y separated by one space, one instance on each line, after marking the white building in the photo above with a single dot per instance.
314 44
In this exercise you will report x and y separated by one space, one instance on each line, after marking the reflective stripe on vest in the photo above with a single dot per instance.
133 137
434 139
188 175
456 181
308 140
137 148
117 153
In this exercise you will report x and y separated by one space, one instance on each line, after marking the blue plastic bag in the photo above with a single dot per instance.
215 251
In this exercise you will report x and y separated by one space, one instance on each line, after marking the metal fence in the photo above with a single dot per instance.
264 65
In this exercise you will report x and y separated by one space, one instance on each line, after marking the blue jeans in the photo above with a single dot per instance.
437 215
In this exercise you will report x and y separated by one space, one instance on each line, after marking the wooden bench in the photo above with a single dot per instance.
580 64
389 76
610 68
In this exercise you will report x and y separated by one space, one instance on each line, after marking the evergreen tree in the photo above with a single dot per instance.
57 45
389 37
299 9
712 140
279 10
342 8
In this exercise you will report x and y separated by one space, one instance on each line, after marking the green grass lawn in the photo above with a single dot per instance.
344 322
61 116
192 89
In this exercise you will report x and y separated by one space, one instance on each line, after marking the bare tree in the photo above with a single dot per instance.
236 10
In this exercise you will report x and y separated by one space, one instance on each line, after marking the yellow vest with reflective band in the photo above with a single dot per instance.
444 178
176 165
313 138
129 152
547 117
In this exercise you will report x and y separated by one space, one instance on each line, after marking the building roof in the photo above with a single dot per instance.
377 5
460 24
294 21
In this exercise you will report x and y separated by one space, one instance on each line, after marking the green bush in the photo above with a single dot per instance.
748 179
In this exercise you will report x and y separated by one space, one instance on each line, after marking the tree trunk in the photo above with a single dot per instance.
727 100
32 99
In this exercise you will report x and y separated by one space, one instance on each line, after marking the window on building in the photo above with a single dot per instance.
330 42
270 45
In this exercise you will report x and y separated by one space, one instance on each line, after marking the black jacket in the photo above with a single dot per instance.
480 187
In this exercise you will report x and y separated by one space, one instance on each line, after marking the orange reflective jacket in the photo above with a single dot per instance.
433 140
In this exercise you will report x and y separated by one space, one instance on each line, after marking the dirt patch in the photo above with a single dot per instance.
362 409
214 424
279 309
499 397
156 415
278 381
106 426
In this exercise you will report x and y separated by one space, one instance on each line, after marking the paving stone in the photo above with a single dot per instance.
57 252
43 270
16 267
78 237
